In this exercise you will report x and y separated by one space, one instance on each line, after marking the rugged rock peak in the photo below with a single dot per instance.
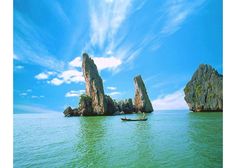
141 99
125 106
204 92
94 85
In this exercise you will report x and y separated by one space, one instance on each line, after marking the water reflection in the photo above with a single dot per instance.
90 142
205 134
143 137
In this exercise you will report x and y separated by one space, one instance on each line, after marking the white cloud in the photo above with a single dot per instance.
23 94
31 109
68 77
177 12
77 62
114 93
44 75
19 67
111 88
59 12
174 14
107 62
29 43
41 76
15 57
36 97
172 101
29 90
74 93
102 62
71 76
56 81
106 17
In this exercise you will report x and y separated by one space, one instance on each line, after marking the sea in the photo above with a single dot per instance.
168 139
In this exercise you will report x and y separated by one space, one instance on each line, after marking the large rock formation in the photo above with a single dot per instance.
126 106
84 109
141 99
95 102
85 106
111 108
94 85
204 91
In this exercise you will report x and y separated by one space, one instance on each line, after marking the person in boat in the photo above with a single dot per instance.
143 115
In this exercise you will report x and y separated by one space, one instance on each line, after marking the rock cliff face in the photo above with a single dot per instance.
94 85
126 106
85 106
111 109
204 92
141 99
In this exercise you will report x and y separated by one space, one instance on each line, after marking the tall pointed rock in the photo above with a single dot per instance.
94 85
141 99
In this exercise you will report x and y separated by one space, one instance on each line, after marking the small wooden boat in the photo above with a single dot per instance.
127 119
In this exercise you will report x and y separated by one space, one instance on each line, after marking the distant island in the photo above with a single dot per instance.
204 92
95 102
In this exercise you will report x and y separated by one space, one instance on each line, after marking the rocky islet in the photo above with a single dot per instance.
95 102
204 92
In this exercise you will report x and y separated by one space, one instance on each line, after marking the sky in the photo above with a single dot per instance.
163 41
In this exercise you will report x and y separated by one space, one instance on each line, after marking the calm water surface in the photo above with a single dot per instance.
166 139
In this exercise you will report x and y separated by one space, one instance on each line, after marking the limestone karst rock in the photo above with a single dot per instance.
141 99
111 109
125 106
95 102
204 92
85 105
69 112
94 85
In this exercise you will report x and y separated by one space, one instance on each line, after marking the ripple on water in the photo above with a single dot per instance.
167 139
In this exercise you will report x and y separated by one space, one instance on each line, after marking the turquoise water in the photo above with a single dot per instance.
166 139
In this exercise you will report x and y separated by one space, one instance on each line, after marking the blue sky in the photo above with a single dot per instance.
164 41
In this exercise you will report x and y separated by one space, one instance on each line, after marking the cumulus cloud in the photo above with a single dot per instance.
74 93
107 62
71 76
77 62
101 62
44 75
68 76
172 101
56 81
